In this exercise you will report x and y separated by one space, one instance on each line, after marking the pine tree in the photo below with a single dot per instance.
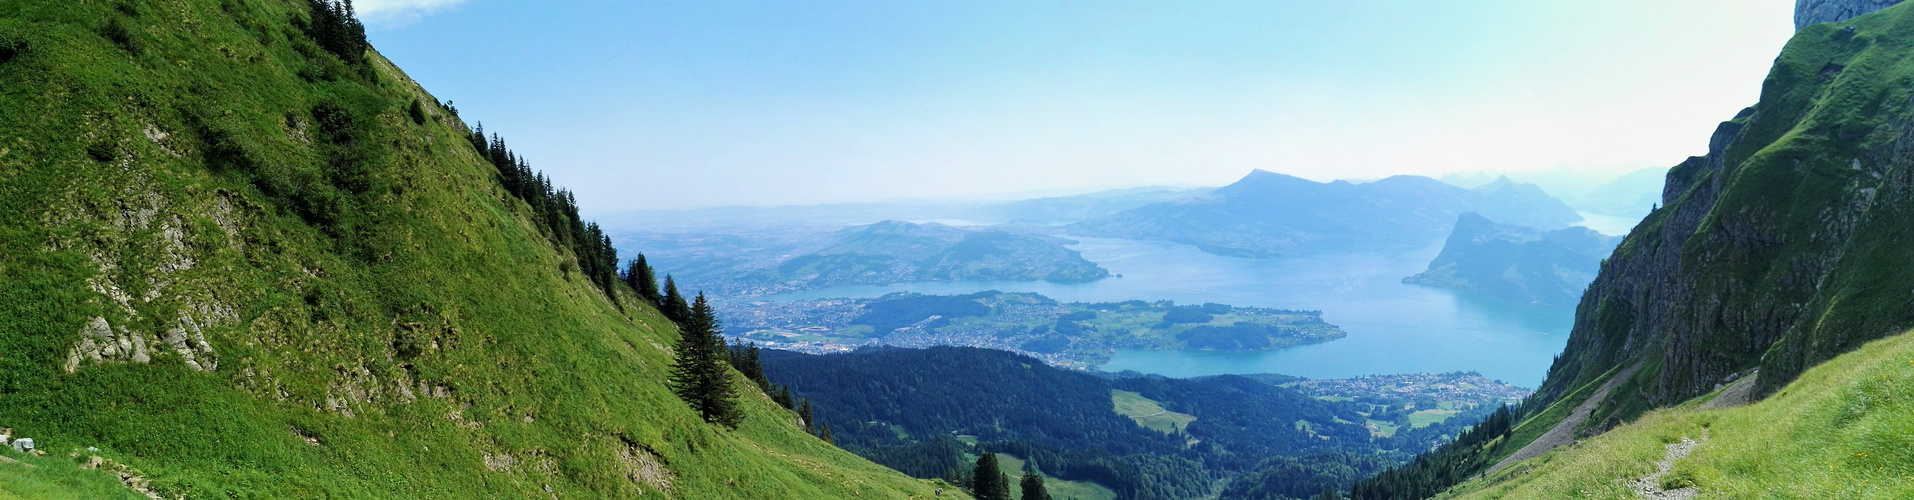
673 305
1033 488
643 279
824 433
805 413
989 483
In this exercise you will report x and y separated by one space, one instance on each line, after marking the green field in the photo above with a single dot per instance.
1149 413
1842 430
1059 489
1427 418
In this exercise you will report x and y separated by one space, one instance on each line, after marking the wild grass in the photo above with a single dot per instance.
387 322
1842 430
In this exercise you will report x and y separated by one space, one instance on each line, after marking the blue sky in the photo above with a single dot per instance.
639 104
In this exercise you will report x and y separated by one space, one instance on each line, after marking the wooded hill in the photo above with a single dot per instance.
243 255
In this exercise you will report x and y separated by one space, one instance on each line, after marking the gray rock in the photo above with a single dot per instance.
23 445
1809 12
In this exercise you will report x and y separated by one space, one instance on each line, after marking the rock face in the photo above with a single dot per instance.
1781 248
1809 12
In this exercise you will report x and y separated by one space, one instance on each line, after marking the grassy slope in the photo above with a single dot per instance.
1149 413
416 328
1057 488
1839 431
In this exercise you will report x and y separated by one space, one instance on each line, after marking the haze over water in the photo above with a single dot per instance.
1393 327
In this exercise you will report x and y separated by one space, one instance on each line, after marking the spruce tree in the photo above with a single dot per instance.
674 306
1033 488
700 375
643 280
783 397
824 433
987 482
805 414
720 400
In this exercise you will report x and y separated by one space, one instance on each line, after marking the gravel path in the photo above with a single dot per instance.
1649 487
1564 433
1738 393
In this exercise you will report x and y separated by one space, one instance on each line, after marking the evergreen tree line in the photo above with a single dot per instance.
702 356
336 27
555 210
1446 466
747 359
987 481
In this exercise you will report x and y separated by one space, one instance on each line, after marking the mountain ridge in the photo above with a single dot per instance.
1267 214
239 258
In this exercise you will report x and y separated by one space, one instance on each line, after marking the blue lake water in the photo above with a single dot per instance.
1393 327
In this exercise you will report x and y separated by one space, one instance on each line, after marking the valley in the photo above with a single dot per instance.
926 250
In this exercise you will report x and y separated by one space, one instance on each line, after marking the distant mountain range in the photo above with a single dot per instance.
1518 263
1267 214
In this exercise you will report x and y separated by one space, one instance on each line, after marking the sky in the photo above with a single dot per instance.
684 104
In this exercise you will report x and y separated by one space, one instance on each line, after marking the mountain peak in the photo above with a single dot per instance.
1811 12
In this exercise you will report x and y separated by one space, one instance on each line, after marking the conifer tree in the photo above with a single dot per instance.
783 397
1033 488
673 305
989 483
700 374
643 280
805 413
824 433
720 403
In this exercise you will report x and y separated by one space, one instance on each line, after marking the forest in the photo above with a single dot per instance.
929 412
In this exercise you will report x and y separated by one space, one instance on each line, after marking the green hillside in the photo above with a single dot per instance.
243 264
1839 431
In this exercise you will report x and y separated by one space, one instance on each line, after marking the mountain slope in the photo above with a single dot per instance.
1517 263
1267 214
244 265
1779 249
1838 431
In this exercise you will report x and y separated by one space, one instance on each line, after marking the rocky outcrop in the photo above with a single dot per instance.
1809 12
1781 248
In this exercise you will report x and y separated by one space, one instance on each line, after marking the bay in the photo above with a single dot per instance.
1393 327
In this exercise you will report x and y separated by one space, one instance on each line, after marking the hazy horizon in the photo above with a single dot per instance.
646 105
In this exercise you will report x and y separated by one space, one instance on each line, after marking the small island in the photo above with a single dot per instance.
1075 335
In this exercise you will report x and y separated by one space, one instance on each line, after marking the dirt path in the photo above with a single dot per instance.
1738 393
1649 487
1564 433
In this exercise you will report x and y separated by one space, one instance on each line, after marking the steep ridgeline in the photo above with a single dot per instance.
243 255
1268 214
1517 263
1784 246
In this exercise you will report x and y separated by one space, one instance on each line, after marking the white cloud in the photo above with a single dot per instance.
399 12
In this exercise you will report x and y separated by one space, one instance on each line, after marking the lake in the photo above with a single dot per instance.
1393 327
